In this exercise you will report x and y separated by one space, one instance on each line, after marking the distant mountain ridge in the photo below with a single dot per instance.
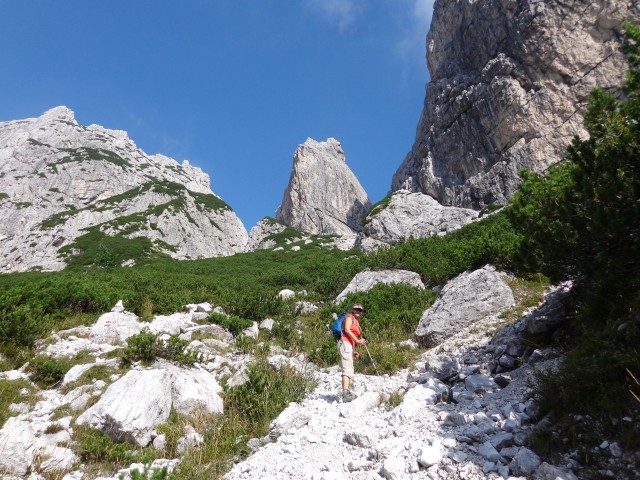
61 182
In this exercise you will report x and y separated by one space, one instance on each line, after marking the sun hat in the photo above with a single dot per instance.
357 306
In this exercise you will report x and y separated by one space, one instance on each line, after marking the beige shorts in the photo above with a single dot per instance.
346 358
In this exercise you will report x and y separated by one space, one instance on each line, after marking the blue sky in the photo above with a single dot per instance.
233 86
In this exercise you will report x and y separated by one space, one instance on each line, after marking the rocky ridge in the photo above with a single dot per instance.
60 180
508 91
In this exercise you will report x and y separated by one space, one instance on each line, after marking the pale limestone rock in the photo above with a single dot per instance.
509 82
358 407
17 450
550 472
431 454
115 327
57 459
173 324
323 195
286 293
292 417
132 407
76 371
466 299
365 281
267 324
59 178
414 215
252 332
393 468
260 236
362 437
525 462
194 390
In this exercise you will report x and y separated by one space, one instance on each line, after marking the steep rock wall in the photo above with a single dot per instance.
510 81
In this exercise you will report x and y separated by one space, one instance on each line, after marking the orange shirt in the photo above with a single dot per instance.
355 329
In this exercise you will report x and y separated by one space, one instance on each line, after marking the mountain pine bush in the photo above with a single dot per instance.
581 221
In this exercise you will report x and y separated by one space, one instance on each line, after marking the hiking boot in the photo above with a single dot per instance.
347 396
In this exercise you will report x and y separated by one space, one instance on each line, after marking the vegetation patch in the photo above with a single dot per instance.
11 392
86 153
146 347
377 208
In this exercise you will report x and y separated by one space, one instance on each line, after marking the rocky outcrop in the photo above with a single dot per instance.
508 91
365 281
466 299
262 235
414 215
60 181
323 195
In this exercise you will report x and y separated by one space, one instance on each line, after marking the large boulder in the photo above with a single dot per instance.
365 281
509 82
134 405
323 195
262 234
466 299
414 215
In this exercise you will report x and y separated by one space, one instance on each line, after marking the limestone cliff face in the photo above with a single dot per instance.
60 180
509 86
323 195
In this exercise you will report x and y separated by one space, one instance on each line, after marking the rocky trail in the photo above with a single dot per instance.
481 434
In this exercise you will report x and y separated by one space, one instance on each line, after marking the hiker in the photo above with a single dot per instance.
347 349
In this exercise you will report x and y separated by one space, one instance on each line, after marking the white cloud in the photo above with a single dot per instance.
342 13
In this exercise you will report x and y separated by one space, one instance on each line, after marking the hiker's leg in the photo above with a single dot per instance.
346 361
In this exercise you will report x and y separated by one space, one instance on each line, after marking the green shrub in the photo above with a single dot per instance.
141 347
232 323
48 371
145 347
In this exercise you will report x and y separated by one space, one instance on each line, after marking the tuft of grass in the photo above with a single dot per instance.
233 323
146 347
101 455
11 392
528 292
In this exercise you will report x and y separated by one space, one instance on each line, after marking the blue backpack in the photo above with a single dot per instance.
338 326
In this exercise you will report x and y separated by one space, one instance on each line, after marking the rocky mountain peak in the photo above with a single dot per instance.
60 113
323 195
62 184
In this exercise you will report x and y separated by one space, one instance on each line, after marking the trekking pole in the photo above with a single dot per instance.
370 358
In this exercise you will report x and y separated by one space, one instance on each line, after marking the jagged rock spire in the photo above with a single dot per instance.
323 195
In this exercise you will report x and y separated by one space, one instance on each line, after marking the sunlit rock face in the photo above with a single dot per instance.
509 86
60 180
323 195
